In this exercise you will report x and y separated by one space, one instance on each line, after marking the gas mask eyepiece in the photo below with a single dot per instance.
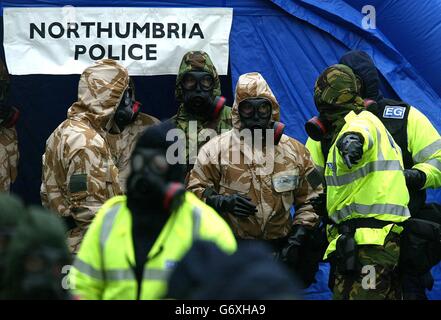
197 80
198 89
255 113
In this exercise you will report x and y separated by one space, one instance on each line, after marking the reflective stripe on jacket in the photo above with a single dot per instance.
424 142
104 266
373 188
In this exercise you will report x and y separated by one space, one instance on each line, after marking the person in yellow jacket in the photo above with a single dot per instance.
420 145
366 192
135 241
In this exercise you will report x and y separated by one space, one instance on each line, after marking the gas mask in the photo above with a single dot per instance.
153 180
318 127
256 113
127 110
42 276
8 115
198 90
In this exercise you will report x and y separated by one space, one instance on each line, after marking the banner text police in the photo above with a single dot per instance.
112 30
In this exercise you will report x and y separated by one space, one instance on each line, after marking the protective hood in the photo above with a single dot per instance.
364 68
195 61
253 85
336 93
100 91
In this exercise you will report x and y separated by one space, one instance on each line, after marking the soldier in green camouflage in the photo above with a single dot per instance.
366 195
8 135
198 91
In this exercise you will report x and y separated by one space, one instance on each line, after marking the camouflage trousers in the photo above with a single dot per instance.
378 278
74 238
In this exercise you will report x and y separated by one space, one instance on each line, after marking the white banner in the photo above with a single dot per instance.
148 41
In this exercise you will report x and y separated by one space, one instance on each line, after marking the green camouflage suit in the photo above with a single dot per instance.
387 282
336 90
199 61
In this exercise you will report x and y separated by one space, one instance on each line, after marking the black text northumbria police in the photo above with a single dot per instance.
98 30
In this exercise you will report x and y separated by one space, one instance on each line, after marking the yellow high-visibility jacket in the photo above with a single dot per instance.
103 268
373 188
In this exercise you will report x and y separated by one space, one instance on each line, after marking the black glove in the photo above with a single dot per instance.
290 253
235 204
351 148
319 205
294 256
415 179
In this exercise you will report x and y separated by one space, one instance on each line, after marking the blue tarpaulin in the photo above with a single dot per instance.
289 42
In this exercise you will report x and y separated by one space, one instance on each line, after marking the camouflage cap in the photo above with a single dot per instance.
337 86
4 82
196 61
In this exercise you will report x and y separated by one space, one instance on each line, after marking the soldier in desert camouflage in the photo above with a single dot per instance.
80 165
198 91
255 196
8 136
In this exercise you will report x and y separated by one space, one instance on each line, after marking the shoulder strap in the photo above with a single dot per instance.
394 118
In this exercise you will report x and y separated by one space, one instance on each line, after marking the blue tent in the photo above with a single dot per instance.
290 42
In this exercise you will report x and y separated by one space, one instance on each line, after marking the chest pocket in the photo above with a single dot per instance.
234 181
284 184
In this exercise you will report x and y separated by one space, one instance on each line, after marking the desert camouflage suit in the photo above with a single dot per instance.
8 140
79 172
122 145
8 157
198 61
262 181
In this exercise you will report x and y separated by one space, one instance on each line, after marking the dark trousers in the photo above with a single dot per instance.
415 285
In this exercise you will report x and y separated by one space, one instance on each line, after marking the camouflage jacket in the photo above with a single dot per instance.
79 173
122 145
8 157
265 182
8 139
198 60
